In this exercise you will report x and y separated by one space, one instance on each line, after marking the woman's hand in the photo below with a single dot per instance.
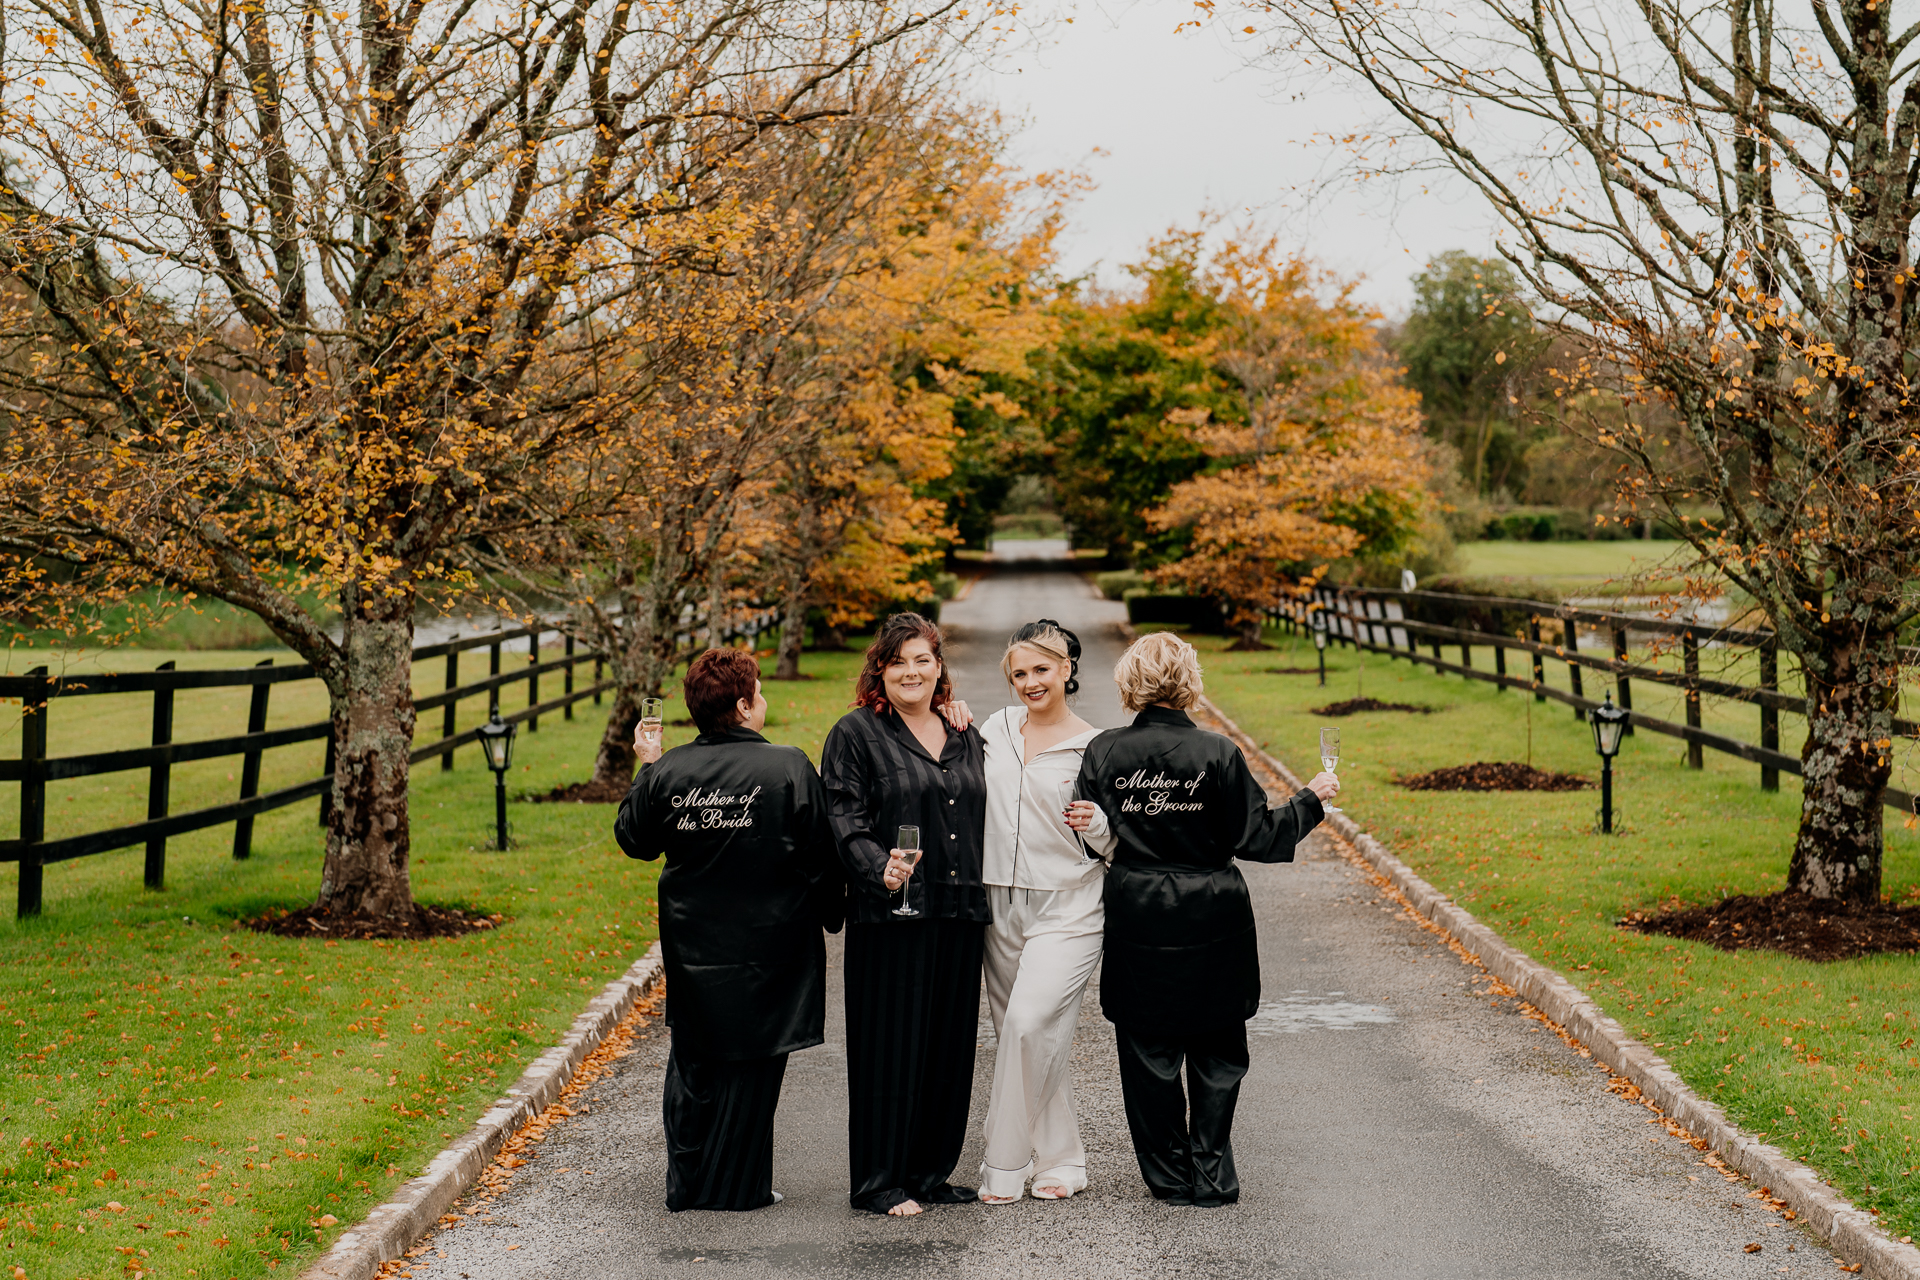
1324 785
958 714
646 745
898 872
1080 814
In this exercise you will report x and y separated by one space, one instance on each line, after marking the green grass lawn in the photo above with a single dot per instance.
1569 565
189 1098
1819 1058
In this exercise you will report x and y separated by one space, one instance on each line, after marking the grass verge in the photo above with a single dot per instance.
1821 1059
188 1098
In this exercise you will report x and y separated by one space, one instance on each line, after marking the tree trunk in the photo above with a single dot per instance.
793 633
832 639
369 842
613 763
1847 762
638 664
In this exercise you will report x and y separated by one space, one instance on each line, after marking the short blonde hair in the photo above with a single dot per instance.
1158 668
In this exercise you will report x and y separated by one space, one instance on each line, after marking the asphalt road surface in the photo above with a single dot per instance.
1398 1121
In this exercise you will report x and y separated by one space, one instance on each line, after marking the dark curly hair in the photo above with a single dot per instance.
1047 631
870 690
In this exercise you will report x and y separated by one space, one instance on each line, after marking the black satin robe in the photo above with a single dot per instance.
1181 954
751 879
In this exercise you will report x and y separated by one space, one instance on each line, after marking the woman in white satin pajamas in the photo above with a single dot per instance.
1044 873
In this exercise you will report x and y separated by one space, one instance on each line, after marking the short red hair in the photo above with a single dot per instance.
716 682
870 690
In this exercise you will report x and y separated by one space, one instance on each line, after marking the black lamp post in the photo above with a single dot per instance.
1320 642
496 741
1608 722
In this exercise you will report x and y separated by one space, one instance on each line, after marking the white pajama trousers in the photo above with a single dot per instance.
1041 950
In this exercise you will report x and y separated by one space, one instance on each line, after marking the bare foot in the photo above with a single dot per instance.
906 1209
987 1199
1051 1191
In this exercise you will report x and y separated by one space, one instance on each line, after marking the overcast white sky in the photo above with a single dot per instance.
1186 125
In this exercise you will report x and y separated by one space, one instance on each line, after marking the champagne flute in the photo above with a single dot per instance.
907 841
1066 800
652 715
1330 756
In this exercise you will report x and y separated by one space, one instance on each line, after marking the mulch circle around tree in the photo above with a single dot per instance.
1353 706
1801 926
427 922
584 793
1505 775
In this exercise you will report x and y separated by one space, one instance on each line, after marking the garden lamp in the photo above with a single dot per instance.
496 741
1320 642
1608 722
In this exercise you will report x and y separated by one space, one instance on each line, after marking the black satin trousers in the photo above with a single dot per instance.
1183 1139
719 1123
913 1021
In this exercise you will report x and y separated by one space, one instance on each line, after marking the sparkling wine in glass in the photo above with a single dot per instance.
907 841
652 715
1330 755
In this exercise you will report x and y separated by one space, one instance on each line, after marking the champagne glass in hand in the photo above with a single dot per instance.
906 843
1330 756
652 715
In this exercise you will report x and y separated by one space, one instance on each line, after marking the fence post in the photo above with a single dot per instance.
533 678
450 714
250 766
1539 663
1690 645
33 792
159 782
493 669
1769 716
1499 660
1625 685
599 665
1573 668
568 687
1433 642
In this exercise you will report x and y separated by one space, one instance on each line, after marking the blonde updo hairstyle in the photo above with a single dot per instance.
1048 637
1158 668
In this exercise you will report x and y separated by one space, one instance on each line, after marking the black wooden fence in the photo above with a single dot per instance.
33 770
1398 623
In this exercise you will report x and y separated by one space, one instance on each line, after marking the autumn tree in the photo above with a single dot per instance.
1115 392
1718 202
313 298
947 306
1465 345
1323 460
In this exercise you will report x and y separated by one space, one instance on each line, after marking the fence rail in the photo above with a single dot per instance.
37 691
1397 623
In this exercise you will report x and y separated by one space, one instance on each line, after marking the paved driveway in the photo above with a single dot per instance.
1399 1121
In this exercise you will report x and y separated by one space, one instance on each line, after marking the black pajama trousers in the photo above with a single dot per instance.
719 1122
913 1016
1183 1139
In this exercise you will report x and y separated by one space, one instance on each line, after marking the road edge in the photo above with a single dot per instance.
394 1225
1848 1231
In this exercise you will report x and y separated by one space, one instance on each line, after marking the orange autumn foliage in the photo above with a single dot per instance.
1326 461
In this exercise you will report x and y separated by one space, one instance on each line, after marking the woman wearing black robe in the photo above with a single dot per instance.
1181 972
750 881
912 982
